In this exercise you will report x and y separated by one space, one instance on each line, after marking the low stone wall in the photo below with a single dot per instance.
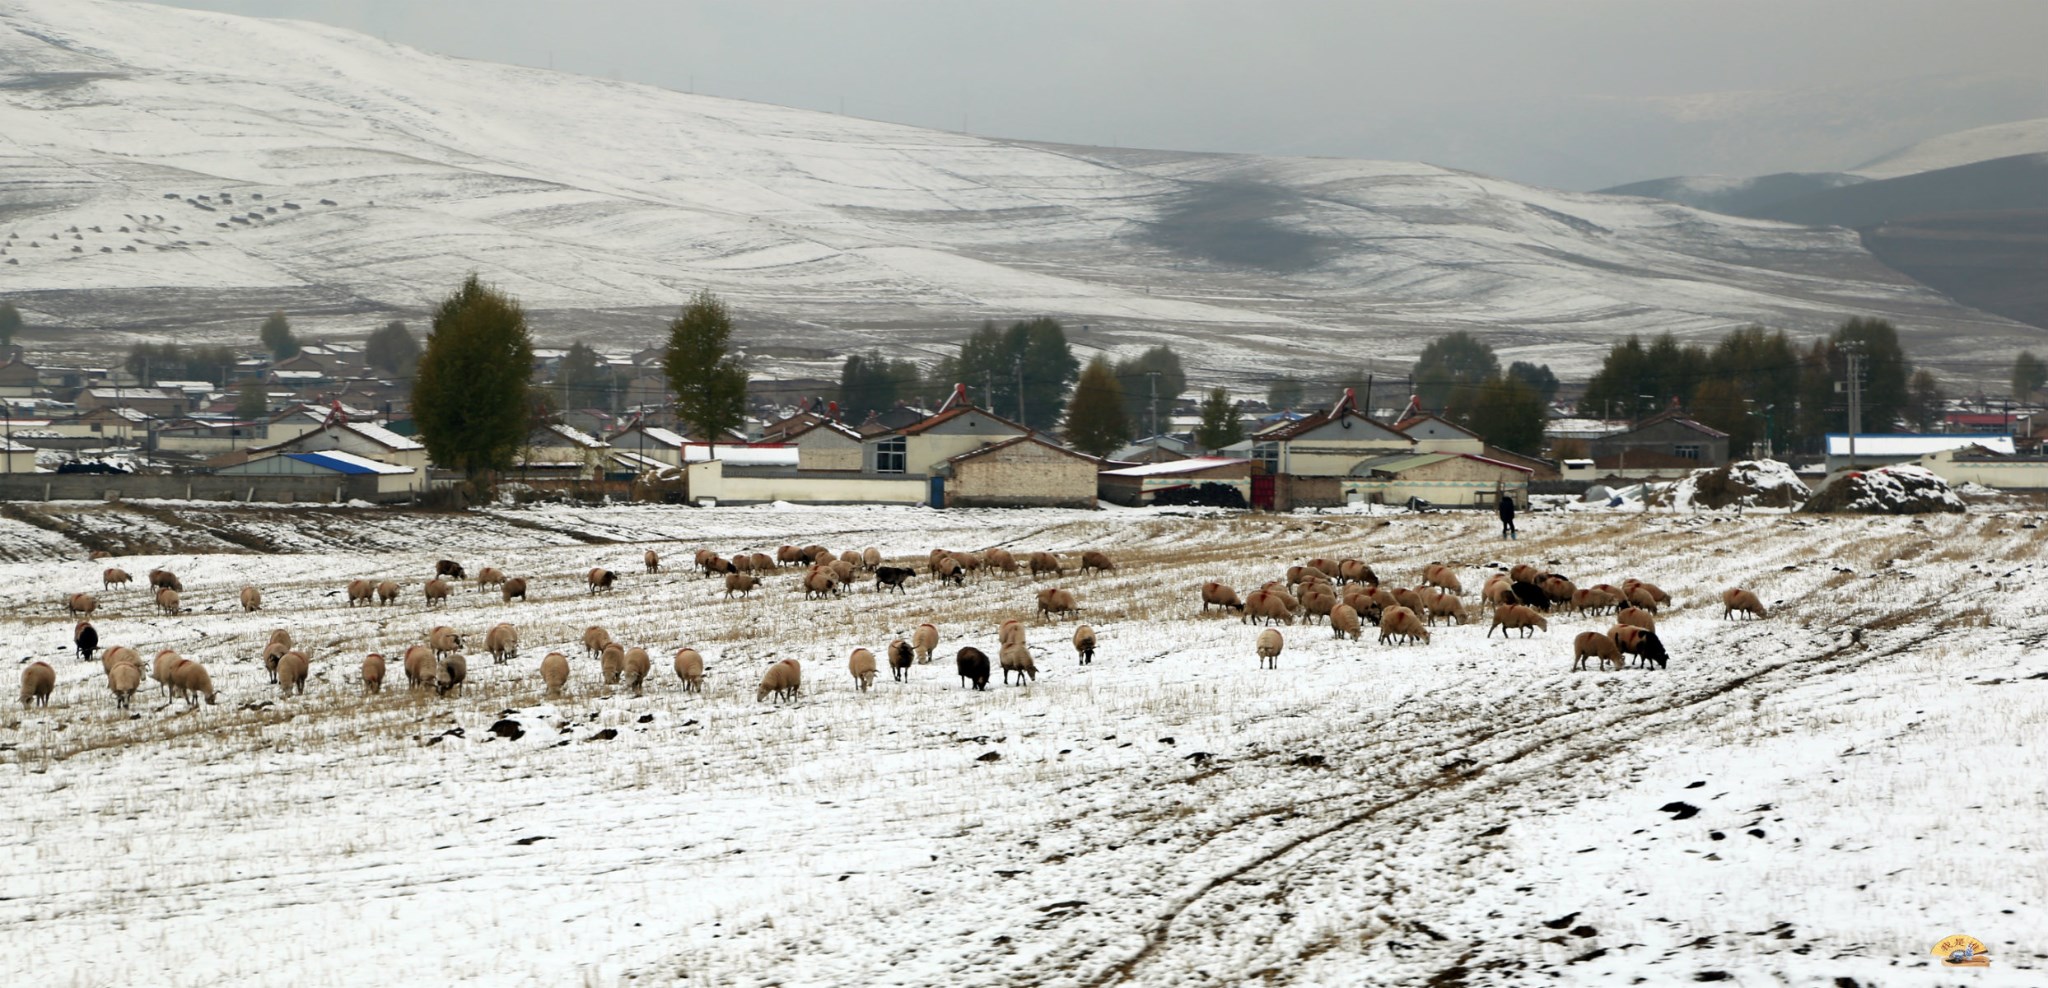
193 487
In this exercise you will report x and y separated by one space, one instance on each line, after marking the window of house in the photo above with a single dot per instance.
891 455
1686 452
1268 454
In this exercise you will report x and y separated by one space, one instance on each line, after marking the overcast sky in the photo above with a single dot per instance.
1578 94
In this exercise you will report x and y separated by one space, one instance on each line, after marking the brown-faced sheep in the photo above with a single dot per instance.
1443 577
1093 562
1592 600
1009 631
972 664
601 580
291 673
360 591
1016 657
1344 622
651 560
1636 617
449 568
419 666
1736 600
272 652
1498 590
554 671
124 680
1657 595
1267 607
502 641
871 557
969 562
817 554
1317 602
784 679
1044 562
160 670
1524 573
167 600
901 655
1557 588
387 592
119 654
1355 571
80 604
594 641
36 683
1403 624
444 640
190 678
1216 594
1084 644
1269 646
1641 643
842 571
1325 566
612 662
690 669
373 673
820 583
1592 644
114 577
436 592
949 570
1641 599
252 599
926 638
711 564
862 665
1056 602
161 578
449 673
789 555
85 639
1444 604
1408 598
514 587
762 563
850 558
1520 616
489 576
999 560
636 668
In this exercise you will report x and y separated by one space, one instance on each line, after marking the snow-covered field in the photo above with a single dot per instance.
1813 799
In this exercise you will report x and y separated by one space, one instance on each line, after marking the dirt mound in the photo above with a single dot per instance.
1748 483
1901 489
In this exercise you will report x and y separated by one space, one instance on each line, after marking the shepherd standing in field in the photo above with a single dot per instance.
1507 515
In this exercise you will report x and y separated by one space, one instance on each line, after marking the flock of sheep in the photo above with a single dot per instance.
1345 593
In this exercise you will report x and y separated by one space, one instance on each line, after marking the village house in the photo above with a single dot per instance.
1306 460
562 452
1668 444
1020 472
363 439
1141 484
149 401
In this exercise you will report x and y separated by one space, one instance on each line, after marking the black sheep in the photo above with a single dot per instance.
449 567
87 639
900 657
1652 650
892 576
973 664
1530 594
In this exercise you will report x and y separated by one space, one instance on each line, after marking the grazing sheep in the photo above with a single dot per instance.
1439 575
1640 642
1656 595
113 577
281 635
973 666
1525 573
871 557
489 576
850 558
1325 567
252 599
969 562
636 669
1355 571
36 683
1636 617
162 578
892 576
690 669
948 569
1591 644
1529 594
514 587
1267 607
862 665
1054 602
1317 602
124 680
449 673
1269 648
652 560
167 600
784 679
450 568
1344 622
360 591
711 564
1084 643
611 662
1095 562
83 603
190 678
901 655
999 559
118 654
160 670
741 563
1444 604
1520 616
436 592
1016 657
387 592
1044 562
273 652
601 580
1402 623
1592 600
1641 598
817 554
554 671
502 641
1216 594
1557 588
419 665
594 640
1407 598
1498 590
373 673
740 583
1009 631
788 555
86 639
444 640
841 570
926 639
820 583
1737 600
291 673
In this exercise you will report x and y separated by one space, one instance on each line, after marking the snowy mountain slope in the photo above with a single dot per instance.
136 139
1961 148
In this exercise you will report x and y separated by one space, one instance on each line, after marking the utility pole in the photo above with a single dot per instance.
1018 363
1368 395
1154 375
1854 351
988 389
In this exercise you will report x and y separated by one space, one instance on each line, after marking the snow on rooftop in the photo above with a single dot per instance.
1168 467
753 455
1914 445
382 436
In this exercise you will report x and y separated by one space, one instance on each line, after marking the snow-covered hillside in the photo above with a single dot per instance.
136 140
1961 148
